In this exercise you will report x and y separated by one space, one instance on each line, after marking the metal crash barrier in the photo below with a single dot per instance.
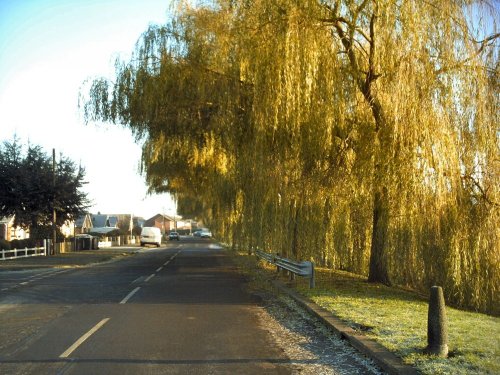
304 269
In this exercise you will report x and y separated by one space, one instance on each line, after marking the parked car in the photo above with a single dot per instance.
174 236
205 234
197 233
151 235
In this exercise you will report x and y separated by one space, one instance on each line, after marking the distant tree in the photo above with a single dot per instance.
27 192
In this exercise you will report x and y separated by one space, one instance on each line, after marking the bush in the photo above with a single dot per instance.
4 244
21 244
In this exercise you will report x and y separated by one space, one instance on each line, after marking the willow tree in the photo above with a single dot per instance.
412 65
327 115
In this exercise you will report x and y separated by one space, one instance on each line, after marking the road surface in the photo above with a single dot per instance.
179 309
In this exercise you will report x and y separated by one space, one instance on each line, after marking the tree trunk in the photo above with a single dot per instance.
378 259
364 81
295 233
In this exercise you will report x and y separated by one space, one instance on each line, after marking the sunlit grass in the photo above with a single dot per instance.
398 320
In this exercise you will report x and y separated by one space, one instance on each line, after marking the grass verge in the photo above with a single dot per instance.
398 320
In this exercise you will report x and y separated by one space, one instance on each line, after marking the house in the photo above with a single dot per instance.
104 224
101 221
10 232
164 222
83 224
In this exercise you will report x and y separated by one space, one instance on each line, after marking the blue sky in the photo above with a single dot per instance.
48 49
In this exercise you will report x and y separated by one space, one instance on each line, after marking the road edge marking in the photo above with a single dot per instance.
82 339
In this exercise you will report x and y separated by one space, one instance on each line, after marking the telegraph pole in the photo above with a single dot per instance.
54 228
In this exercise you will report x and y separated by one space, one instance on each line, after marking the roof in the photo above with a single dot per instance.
6 219
103 230
81 220
99 221
113 221
161 216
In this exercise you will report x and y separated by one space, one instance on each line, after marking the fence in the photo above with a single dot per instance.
69 245
304 269
66 246
22 253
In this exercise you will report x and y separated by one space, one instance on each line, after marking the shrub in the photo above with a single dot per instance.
4 244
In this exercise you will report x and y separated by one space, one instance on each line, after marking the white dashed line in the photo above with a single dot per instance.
123 301
136 280
81 340
159 269
149 277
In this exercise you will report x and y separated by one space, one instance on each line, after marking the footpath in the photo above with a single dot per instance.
68 260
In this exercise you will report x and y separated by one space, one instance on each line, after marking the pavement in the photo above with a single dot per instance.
69 260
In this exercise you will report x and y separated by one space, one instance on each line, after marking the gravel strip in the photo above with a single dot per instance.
312 348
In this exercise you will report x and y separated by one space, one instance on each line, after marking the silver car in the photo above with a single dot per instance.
205 234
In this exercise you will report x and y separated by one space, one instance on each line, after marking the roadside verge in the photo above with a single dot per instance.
386 360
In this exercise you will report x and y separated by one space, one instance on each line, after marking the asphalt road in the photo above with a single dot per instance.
179 309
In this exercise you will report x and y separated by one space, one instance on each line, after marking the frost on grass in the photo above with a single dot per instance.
310 346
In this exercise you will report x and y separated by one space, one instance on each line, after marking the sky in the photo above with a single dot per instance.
48 49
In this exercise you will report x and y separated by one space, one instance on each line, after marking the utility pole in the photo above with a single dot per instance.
54 228
163 217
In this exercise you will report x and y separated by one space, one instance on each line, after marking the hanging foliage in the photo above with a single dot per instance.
360 134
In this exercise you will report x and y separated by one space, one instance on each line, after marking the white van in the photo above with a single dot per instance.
151 235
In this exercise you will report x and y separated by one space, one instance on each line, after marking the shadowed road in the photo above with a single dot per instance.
179 309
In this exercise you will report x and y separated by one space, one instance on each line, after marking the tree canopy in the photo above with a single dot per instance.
360 134
27 188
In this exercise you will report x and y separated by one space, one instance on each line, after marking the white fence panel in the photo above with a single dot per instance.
22 253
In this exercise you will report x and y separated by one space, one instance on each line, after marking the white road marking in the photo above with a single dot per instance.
82 339
166 263
136 280
159 269
149 277
123 301
26 282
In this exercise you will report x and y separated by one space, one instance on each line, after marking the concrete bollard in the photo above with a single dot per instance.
437 330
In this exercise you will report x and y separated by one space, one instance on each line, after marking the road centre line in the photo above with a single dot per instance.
81 340
136 280
123 301
166 263
159 269
150 277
